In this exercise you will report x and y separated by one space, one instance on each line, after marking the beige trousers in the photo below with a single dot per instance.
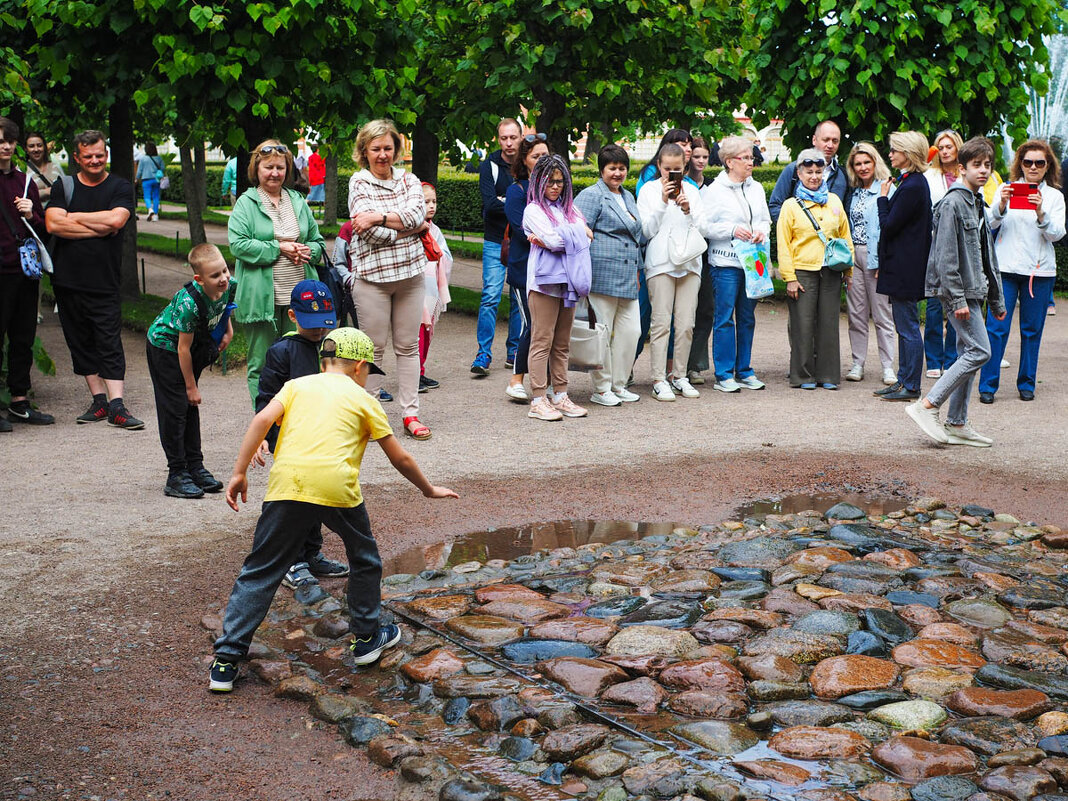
550 342
669 295
625 328
394 307
861 301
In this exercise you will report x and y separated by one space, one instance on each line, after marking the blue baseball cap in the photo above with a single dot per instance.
313 305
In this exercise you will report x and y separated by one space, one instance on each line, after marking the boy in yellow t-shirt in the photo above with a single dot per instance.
325 422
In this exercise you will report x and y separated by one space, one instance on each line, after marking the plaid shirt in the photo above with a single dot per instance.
377 254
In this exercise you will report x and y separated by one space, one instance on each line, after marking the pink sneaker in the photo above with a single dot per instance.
567 407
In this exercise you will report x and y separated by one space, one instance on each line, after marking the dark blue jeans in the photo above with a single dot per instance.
940 351
735 321
1032 322
909 342
278 543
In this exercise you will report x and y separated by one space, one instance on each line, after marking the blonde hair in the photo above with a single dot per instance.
202 255
957 141
370 132
882 172
734 146
913 145
257 157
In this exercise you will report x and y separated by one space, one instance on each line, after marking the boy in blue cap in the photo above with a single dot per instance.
296 354
325 422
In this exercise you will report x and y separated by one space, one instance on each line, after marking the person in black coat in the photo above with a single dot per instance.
904 245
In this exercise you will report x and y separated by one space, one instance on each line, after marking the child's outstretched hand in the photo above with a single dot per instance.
441 492
238 486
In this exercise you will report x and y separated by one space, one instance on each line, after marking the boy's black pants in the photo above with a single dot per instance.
179 420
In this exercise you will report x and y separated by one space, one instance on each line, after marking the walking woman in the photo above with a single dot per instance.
867 171
1024 248
149 173
904 245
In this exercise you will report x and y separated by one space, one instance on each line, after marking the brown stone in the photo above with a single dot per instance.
703 674
433 665
330 627
918 615
600 764
787 602
442 607
527 727
936 653
1021 756
1057 767
819 742
299 688
271 671
686 581
852 673
721 631
1019 704
644 694
703 704
995 581
947 587
460 686
585 677
588 630
1051 723
506 592
770 667
573 741
629 574
914 759
485 629
814 592
386 750
646 665
781 772
855 602
757 618
949 632
1037 631
533 610
1058 539
1018 782
820 557
935 683
884 791
826 795
896 558
667 776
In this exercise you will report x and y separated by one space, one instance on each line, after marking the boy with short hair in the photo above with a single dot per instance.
962 272
325 423
181 343
296 354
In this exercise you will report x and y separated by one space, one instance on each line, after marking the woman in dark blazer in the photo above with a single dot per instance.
615 253
904 244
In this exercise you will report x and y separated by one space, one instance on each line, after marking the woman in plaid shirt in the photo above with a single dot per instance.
388 217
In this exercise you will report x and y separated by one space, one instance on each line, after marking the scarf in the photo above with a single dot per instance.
818 196
430 247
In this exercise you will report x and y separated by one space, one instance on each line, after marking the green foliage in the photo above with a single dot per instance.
879 66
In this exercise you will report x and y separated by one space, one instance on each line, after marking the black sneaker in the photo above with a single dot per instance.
299 575
121 418
22 412
890 390
429 383
222 676
94 414
181 485
205 480
5 426
367 650
322 567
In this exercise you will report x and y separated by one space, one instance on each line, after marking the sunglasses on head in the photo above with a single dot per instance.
269 149
535 137
1032 163
812 163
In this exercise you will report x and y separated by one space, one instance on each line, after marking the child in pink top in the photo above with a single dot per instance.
437 274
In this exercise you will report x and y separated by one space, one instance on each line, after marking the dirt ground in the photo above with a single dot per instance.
103 579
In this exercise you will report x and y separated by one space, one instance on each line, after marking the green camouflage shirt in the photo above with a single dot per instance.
180 317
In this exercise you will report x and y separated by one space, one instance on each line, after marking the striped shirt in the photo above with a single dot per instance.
286 229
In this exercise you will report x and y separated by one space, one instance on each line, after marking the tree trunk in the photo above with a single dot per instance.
426 149
550 111
330 191
256 130
598 134
195 197
120 124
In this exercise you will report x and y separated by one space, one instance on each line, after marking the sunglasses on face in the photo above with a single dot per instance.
532 138
269 149
1033 163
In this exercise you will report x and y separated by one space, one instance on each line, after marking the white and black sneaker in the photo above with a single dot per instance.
368 649
222 676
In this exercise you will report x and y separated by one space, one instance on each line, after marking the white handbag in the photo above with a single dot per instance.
683 249
589 344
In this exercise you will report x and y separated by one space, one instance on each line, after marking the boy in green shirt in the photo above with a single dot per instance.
186 337
325 422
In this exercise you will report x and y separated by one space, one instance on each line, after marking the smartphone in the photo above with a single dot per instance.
1020 193
675 177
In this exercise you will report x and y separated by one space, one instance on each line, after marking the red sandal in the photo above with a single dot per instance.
413 428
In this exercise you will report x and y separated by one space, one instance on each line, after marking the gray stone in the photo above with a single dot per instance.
675 614
517 749
909 715
944 788
989 735
1016 679
845 511
613 607
978 612
871 699
360 730
718 737
460 789
809 713
839 624
527 651
887 626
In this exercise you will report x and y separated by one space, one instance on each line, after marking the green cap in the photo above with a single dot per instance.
350 343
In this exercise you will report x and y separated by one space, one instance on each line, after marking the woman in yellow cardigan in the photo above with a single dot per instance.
813 291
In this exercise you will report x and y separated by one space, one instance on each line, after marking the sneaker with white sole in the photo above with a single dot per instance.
299 575
695 378
662 391
367 649
683 387
966 435
541 409
1005 363
606 398
889 376
934 373
727 385
567 407
751 382
626 395
222 675
927 420
856 373
517 393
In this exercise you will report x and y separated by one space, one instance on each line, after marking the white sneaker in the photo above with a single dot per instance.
695 378
935 373
1005 363
927 420
966 435
518 393
684 388
606 398
889 376
625 395
662 391
856 373
752 382
727 385
541 409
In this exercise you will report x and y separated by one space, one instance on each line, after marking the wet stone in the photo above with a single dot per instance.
334 708
1018 782
664 778
455 710
506 592
1014 678
361 730
989 735
585 677
763 691
496 715
936 653
299 688
600 764
485 629
871 730
845 675
553 775
1027 597
433 665
527 651
845 511
944 788
741 573
703 704
588 630
1057 744
643 693
950 632
980 701
686 581
517 749
614 607
934 683
461 789
1024 756
773 770
525 610
817 742
975 510
703 674
1051 723
762 552
887 626
914 759
871 699
474 687
839 624
743 590
443 607
797 646
884 791
573 741
387 751
979 613
718 737
909 715
667 614
721 631
866 644
808 713
908 597
770 667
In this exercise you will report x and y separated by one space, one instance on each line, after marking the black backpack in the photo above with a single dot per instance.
205 350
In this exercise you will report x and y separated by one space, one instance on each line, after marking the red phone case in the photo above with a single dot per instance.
1020 194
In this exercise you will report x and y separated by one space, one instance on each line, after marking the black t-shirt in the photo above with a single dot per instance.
91 265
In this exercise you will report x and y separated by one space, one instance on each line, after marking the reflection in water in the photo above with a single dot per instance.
792 504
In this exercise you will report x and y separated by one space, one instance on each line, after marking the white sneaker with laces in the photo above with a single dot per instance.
856 373
662 391
727 385
683 387
606 398
752 382
966 435
541 409
626 395
927 420
518 393
889 376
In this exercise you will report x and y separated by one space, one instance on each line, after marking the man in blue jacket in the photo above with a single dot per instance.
494 178
826 138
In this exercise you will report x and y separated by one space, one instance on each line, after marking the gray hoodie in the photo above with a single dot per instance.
963 265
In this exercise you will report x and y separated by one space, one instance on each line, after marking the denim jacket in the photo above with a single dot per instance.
963 265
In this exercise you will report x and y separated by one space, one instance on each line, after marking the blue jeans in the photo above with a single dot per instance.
275 548
940 351
645 312
493 274
733 326
1032 321
909 342
150 186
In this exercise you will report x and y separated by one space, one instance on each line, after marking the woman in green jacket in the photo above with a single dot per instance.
276 244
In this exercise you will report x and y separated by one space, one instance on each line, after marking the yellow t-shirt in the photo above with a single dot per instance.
327 422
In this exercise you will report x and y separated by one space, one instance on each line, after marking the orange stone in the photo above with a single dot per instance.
819 742
1019 704
936 653
852 673
897 558
506 592
948 632
820 557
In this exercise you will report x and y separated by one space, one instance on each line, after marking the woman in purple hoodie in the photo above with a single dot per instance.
558 275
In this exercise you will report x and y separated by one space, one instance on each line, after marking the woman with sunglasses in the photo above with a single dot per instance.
276 244
1027 225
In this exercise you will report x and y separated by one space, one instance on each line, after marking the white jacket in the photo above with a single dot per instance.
728 205
660 219
1023 246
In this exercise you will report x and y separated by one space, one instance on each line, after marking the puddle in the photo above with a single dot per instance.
792 504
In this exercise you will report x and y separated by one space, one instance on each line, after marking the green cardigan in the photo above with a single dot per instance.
251 235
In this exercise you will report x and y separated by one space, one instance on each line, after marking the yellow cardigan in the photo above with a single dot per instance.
799 246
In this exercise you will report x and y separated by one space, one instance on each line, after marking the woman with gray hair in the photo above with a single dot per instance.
737 210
